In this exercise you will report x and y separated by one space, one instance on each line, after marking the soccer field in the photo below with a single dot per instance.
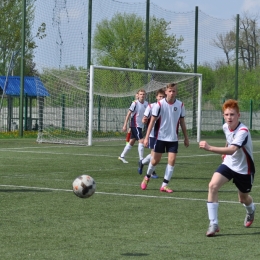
41 218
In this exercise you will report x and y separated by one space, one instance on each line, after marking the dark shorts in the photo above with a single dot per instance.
169 147
136 133
152 141
243 182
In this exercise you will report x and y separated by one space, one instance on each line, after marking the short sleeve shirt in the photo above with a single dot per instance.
168 119
242 160
137 112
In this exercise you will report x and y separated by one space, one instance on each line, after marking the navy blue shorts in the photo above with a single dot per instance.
136 133
243 182
152 141
169 147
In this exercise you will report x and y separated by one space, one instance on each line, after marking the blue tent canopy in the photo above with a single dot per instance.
32 85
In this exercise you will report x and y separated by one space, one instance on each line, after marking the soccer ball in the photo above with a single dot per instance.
84 186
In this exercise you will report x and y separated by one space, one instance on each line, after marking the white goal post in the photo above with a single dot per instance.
83 107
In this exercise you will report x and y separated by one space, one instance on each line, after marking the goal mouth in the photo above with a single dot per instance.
88 106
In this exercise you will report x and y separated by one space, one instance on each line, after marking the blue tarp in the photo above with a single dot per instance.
32 85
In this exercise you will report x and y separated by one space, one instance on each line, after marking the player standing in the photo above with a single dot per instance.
237 164
160 94
128 134
168 114
136 112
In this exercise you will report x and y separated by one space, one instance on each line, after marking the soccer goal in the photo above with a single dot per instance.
84 107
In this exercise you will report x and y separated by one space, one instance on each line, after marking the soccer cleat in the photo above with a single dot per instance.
144 183
122 159
213 228
140 167
249 219
154 176
166 189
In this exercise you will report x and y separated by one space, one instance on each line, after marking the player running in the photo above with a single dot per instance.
237 164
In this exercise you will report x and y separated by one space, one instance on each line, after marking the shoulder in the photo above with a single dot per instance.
180 103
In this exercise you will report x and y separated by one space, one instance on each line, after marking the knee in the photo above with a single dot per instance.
154 162
213 187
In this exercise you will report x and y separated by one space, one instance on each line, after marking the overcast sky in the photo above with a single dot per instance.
224 9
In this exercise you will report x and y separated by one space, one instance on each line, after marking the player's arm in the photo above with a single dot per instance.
223 155
147 114
126 120
184 131
219 150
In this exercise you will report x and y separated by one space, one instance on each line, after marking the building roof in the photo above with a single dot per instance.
32 85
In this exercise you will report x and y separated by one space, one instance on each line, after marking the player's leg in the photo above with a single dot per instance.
139 137
127 148
168 173
147 159
217 181
244 184
159 149
154 175
171 149
151 167
128 135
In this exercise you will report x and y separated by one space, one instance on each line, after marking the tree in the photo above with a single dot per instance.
120 42
249 42
10 35
226 42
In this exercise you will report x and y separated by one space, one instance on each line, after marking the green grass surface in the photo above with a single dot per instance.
42 219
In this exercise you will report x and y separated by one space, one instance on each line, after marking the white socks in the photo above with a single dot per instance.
126 150
147 159
250 209
141 150
213 212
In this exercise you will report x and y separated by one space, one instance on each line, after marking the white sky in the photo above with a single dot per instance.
224 9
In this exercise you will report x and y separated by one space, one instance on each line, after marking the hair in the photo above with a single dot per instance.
141 90
171 85
160 91
230 103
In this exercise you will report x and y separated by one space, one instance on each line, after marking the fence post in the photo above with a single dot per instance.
251 113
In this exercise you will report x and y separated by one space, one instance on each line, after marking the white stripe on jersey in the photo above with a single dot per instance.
168 116
242 160
137 108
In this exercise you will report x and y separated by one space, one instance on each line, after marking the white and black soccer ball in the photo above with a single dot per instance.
84 186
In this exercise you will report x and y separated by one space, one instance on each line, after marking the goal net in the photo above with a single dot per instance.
84 107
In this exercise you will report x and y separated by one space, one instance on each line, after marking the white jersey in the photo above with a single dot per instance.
148 114
168 116
242 160
137 108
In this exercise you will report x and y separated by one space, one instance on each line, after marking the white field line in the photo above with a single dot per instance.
123 194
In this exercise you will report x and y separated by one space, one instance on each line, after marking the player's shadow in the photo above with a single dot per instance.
238 234
135 254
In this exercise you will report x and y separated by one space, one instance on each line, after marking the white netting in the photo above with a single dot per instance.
64 114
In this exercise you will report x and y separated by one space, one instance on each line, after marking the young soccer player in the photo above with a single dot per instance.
128 134
160 94
136 112
168 114
237 164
